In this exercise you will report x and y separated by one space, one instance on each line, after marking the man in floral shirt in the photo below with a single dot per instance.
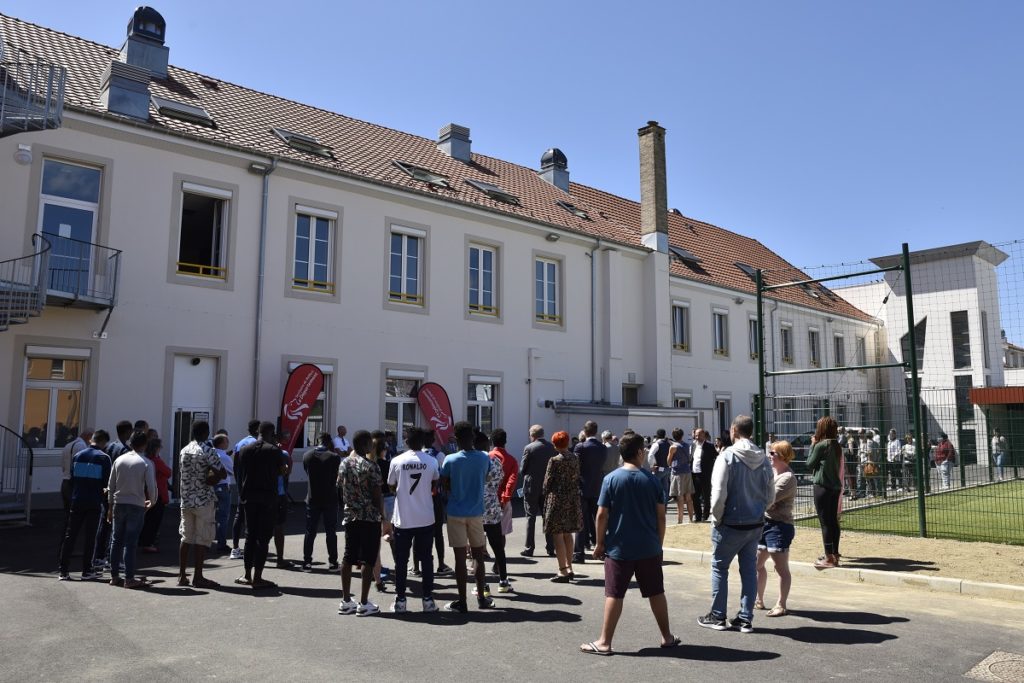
198 526
360 481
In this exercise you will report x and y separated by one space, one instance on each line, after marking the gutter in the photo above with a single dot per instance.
265 171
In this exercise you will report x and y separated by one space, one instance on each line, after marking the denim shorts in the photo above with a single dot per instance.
776 537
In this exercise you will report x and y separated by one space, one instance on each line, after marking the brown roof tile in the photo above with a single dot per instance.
244 118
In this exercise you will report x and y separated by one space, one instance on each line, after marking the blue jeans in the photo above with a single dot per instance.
127 525
224 495
329 513
727 543
420 539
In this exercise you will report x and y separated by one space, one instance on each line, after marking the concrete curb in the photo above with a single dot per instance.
882 578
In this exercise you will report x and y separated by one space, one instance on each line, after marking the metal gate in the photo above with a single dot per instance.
15 476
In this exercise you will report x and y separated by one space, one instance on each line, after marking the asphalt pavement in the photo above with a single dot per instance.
53 630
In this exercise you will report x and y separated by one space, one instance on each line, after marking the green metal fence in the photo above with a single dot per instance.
894 404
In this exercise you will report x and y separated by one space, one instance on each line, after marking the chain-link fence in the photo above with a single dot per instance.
961 475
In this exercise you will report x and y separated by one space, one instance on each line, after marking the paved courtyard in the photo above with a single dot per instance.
90 631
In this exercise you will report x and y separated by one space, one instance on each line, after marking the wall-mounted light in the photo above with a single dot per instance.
828 320
256 168
738 300
23 155
552 237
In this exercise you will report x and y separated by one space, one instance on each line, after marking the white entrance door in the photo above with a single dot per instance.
193 396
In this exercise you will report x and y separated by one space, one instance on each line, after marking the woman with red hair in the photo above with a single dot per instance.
563 513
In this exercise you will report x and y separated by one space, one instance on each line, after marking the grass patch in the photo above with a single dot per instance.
993 513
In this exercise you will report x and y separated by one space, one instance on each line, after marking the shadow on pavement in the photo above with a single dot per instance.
702 653
889 564
821 635
546 599
859 618
502 615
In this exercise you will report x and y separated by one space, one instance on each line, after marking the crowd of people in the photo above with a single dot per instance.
599 497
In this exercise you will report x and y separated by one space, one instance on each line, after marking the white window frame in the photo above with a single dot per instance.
219 236
403 403
753 336
682 399
54 386
860 352
786 340
402 295
723 424
681 331
551 284
814 343
309 284
477 283
838 350
720 332
475 405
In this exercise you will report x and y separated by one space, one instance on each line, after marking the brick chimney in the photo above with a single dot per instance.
653 188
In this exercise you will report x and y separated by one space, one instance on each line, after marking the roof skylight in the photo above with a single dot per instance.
424 175
811 292
495 192
684 255
182 111
574 210
303 143
747 270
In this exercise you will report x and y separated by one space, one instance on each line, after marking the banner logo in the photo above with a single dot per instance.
437 409
300 391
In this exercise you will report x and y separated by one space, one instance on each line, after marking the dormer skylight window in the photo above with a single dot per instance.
748 271
495 192
574 210
303 143
811 292
424 175
684 255
182 111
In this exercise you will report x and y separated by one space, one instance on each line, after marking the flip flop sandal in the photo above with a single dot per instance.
759 605
242 581
674 643
777 611
561 578
592 649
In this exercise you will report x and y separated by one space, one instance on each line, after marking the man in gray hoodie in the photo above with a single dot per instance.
742 488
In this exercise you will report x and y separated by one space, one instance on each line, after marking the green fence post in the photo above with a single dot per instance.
922 448
960 456
828 406
988 445
759 283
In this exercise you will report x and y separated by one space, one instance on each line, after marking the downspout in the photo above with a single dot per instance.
265 171
593 318
771 321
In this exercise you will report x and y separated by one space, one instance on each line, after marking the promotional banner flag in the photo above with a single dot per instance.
437 409
300 391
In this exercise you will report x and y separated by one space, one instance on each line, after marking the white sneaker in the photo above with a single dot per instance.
429 605
236 554
347 607
399 606
367 609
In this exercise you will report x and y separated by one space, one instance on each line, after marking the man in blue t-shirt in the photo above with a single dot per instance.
463 474
90 470
630 533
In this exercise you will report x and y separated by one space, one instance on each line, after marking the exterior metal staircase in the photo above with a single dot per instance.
31 95
23 285
15 477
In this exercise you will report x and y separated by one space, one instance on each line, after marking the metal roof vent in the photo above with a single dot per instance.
454 141
144 47
554 169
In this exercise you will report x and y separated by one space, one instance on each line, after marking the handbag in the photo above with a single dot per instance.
870 469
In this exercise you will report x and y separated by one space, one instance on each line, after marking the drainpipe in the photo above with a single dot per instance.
593 318
264 170
771 321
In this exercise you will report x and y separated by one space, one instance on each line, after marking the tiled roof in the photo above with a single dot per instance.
244 118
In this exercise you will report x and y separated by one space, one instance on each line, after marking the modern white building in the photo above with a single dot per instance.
957 328
204 238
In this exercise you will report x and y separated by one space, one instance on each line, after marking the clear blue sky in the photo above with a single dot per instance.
830 131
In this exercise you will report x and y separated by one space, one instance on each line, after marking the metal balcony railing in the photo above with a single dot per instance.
31 96
83 271
23 284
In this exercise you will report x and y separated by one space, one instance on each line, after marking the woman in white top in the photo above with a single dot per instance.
778 530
